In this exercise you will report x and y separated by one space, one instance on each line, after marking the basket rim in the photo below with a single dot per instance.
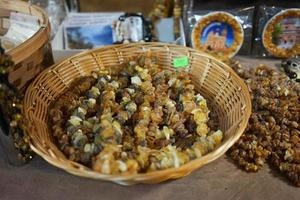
170 173
21 52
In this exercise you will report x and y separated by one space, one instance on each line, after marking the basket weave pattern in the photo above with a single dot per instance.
224 91
28 56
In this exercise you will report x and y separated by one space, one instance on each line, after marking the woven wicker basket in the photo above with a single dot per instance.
226 93
35 53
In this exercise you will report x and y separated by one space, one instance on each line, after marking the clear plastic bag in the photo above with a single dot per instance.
57 10
187 8
243 15
264 16
22 27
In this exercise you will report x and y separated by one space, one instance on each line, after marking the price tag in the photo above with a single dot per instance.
181 62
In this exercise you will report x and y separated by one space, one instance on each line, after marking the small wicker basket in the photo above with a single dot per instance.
226 93
35 53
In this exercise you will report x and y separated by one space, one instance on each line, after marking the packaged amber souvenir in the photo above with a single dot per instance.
221 33
218 33
270 37
281 34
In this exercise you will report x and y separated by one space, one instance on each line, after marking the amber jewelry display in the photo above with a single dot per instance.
153 122
274 33
11 107
225 92
222 17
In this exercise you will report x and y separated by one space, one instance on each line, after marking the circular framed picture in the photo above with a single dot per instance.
219 34
281 35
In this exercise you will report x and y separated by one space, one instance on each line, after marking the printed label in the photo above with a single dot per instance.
286 34
217 36
181 62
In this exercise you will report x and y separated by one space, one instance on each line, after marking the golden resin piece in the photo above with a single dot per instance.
143 119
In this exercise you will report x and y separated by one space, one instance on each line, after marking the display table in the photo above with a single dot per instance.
220 179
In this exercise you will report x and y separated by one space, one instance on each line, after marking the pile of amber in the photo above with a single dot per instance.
11 107
141 119
273 133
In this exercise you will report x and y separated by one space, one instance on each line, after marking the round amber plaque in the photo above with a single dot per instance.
218 33
281 35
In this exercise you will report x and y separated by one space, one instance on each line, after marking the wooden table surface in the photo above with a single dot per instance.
220 179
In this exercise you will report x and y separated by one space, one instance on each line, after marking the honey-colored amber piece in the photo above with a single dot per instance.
133 123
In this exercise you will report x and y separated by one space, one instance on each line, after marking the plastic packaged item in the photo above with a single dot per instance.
165 32
218 33
222 33
22 27
89 30
73 5
187 7
277 33
57 11
132 27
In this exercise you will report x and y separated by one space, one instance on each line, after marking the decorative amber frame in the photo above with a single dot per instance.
223 17
268 30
